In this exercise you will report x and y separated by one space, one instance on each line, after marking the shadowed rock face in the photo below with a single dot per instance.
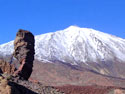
24 53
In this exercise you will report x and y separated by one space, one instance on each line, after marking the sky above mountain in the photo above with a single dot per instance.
43 16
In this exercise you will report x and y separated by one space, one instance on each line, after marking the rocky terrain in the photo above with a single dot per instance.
57 74
91 90
11 85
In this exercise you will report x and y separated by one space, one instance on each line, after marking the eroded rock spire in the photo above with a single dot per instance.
24 53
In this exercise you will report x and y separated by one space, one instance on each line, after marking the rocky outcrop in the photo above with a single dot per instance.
5 67
11 85
24 53
4 87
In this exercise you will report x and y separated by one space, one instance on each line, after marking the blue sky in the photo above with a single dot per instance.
42 16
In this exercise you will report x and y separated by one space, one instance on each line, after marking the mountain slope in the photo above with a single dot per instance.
58 74
76 45
84 47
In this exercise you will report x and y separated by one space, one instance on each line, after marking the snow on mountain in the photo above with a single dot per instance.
7 48
76 45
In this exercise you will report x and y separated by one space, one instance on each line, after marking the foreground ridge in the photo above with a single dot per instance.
12 85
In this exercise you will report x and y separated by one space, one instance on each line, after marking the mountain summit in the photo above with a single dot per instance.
75 45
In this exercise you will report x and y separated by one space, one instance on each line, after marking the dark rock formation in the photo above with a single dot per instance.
24 53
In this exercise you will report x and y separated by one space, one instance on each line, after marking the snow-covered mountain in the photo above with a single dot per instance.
88 48
75 45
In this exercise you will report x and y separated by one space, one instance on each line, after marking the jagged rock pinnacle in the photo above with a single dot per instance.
24 53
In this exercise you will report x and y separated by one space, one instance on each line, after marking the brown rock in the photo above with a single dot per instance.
24 53
4 87
5 67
